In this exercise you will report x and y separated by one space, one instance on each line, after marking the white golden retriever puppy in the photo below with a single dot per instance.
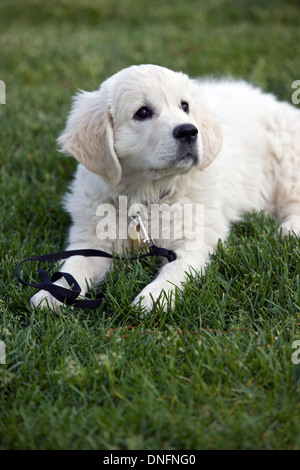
160 138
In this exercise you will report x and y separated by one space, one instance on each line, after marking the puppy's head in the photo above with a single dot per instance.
146 121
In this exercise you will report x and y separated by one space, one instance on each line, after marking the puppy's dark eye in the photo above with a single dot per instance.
143 113
185 106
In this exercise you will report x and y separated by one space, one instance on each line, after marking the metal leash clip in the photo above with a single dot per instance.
138 233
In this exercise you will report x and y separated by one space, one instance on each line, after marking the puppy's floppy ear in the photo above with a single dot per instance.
209 130
211 135
89 135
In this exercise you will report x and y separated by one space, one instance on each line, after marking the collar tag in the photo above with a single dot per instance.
138 233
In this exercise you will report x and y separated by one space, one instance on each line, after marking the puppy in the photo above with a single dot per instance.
154 138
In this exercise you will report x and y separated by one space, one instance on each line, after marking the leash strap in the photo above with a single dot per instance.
69 296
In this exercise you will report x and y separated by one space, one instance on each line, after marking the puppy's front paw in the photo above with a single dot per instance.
43 300
155 295
291 226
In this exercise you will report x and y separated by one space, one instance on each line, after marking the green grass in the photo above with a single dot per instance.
214 373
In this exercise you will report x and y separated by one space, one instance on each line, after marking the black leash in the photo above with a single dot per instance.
69 296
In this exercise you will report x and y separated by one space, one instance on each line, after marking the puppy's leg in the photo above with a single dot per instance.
288 207
286 149
84 270
170 276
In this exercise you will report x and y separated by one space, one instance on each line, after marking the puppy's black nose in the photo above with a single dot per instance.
186 132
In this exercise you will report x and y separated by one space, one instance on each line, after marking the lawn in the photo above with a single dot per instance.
217 371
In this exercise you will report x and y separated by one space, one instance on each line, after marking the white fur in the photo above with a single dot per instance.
248 149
